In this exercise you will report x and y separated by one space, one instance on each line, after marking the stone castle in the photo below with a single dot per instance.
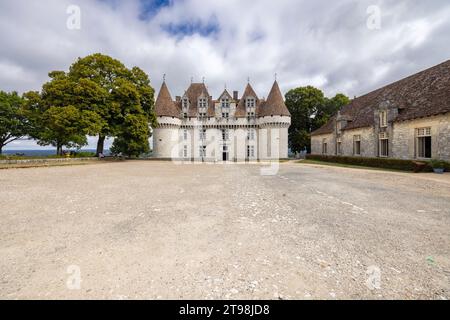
196 127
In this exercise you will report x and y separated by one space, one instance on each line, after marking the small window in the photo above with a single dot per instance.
357 145
185 151
383 119
384 145
225 115
185 134
339 146
324 146
185 115
423 143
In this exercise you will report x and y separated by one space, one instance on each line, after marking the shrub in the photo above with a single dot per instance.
438 164
385 163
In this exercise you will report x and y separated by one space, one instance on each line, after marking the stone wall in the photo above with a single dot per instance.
368 142
317 142
404 137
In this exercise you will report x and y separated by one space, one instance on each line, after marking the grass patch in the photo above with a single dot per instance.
75 156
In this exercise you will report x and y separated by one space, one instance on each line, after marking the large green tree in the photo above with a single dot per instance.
310 109
13 123
56 115
133 131
106 73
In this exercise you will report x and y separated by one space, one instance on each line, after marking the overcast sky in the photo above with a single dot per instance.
338 46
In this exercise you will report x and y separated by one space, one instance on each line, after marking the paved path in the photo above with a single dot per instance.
156 230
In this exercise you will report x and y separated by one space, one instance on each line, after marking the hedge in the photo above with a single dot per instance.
385 163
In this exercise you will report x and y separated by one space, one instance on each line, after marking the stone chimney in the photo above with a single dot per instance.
235 95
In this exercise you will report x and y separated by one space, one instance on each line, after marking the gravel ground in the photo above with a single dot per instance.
155 230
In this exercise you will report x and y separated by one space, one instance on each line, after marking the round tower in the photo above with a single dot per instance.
166 134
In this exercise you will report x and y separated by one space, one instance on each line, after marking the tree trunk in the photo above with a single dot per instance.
100 145
1 149
59 151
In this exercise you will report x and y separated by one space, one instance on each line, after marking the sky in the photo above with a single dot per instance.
346 46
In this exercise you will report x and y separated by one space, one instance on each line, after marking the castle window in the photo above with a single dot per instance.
225 103
202 103
383 145
250 103
202 151
185 104
357 145
202 135
225 115
185 151
251 134
185 115
185 134
250 151
383 119
225 135
423 143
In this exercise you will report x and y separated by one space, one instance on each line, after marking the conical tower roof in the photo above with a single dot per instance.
274 105
164 106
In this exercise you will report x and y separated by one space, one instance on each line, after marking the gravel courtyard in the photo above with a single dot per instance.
156 230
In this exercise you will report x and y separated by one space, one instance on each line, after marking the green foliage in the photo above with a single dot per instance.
439 164
133 139
95 97
67 126
113 82
310 109
386 163
13 123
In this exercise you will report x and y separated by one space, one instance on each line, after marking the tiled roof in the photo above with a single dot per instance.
274 105
164 105
424 94
240 107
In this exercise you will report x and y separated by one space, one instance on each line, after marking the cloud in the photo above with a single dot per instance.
323 43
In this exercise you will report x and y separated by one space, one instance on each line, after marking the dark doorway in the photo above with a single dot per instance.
225 153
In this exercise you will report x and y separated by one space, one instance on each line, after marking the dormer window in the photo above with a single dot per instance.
250 103
185 103
202 103
225 103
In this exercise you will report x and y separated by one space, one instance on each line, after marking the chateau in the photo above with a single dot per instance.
409 119
195 127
